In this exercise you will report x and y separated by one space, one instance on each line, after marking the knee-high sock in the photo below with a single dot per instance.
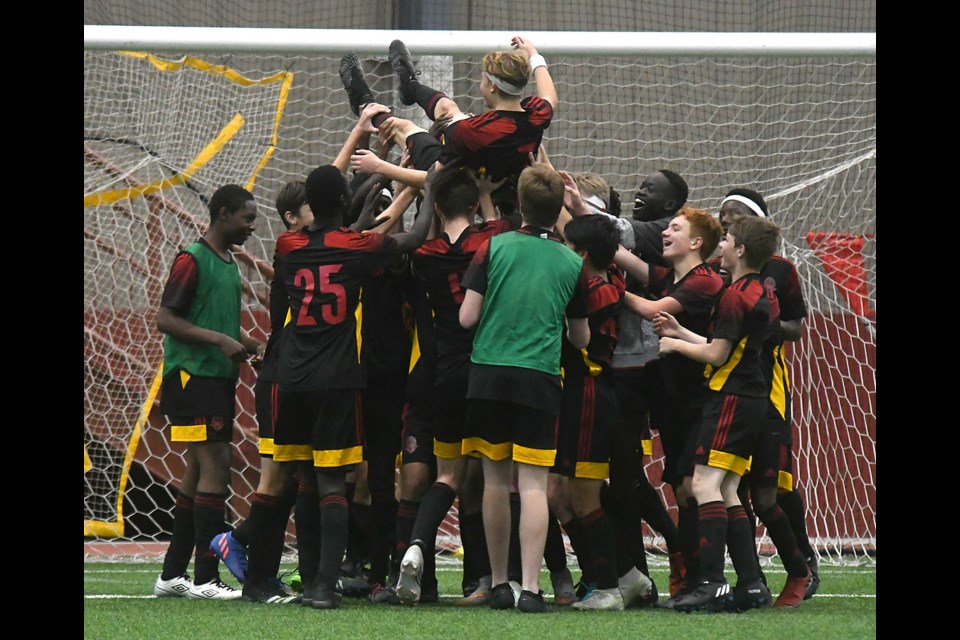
209 519
779 530
713 541
177 558
742 546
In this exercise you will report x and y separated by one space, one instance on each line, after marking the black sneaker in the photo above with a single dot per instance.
814 564
267 593
356 587
320 597
708 596
351 75
531 602
502 597
750 596
402 64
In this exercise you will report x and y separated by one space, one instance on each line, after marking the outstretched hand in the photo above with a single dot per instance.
522 44
572 199
485 183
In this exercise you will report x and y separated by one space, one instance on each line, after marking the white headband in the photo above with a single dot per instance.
503 85
596 203
753 206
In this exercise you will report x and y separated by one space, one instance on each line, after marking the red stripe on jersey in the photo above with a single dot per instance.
290 241
540 110
346 239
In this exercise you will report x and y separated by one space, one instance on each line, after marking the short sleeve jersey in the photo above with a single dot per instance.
697 292
498 142
279 313
440 265
604 306
745 315
325 270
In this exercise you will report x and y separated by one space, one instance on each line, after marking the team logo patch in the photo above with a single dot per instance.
770 284
216 423
410 444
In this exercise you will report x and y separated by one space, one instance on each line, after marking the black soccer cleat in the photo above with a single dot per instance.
351 75
708 596
402 64
750 596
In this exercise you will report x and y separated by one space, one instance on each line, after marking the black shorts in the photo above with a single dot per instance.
679 433
772 461
417 438
588 422
449 413
500 429
729 432
424 150
199 409
323 426
182 394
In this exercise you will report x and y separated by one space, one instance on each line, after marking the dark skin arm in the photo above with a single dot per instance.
417 235
177 327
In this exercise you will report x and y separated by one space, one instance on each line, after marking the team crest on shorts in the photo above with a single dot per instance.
216 423
410 444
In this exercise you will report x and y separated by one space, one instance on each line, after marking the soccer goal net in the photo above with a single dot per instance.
169 116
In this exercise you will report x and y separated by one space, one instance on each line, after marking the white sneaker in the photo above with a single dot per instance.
601 600
215 590
411 568
634 587
172 588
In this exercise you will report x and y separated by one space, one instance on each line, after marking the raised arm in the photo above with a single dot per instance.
545 88
633 265
359 135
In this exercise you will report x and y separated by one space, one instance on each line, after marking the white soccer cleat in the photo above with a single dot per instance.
411 568
601 600
172 588
634 588
215 590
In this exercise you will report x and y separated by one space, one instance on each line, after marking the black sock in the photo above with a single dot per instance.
407 512
655 513
554 551
742 546
713 540
426 97
792 504
177 558
307 514
606 565
780 532
260 521
382 531
433 509
581 547
476 561
688 524
334 524
278 527
209 519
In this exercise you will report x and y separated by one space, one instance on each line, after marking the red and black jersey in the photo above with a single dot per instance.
325 270
439 266
604 305
279 310
497 142
697 292
747 312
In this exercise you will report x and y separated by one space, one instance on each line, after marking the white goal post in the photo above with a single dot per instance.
568 43
172 113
